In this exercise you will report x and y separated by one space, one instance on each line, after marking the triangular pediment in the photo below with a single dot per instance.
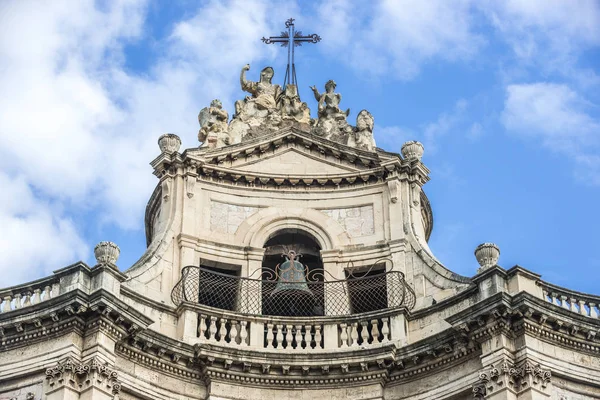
302 147
291 160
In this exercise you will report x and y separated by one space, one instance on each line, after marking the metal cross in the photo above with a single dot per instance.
291 39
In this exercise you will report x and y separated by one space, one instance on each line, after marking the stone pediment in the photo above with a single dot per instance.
302 147
294 161
291 157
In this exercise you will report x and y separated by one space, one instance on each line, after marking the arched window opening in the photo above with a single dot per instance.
218 285
292 275
367 289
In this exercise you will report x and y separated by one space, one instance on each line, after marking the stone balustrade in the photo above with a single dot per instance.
577 302
293 336
296 334
223 330
28 294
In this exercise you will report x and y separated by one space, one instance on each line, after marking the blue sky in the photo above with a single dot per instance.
504 96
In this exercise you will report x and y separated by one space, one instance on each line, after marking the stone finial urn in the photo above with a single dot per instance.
487 255
169 143
412 150
106 253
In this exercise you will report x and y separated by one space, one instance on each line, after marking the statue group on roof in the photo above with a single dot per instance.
270 108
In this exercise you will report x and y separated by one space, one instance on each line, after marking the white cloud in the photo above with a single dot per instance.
445 123
396 38
35 240
558 116
79 129
550 35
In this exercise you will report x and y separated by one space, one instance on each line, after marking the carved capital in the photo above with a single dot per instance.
517 379
79 376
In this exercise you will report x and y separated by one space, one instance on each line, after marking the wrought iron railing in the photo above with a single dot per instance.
359 293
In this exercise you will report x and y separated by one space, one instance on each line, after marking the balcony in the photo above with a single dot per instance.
320 314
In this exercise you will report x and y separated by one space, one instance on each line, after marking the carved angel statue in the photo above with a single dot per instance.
329 102
363 133
264 93
213 125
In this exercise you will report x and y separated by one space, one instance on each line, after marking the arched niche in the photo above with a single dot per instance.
292 270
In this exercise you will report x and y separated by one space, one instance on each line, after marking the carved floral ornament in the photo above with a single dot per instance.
81 375
506 375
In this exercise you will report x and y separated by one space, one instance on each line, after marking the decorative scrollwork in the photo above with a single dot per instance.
253 295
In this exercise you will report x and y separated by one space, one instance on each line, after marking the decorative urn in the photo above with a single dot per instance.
169 143
412 150
106 253
487 255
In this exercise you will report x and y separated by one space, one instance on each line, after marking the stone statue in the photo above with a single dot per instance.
213 125
331 123
363 133
264 93
258 114
292 108
329 102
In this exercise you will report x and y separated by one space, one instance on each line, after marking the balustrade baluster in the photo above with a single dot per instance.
243 333
298 337
270 336
279 336
375 331
554 297
305 336
202 327
364 333
223 330
47 289
385 330
212 329
563 302
27 301
343 335
318 337
354 334
545 294
593 311
17 301
233 333
37 296
582 309
573 304
6 305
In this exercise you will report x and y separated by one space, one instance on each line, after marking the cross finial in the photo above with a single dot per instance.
291 39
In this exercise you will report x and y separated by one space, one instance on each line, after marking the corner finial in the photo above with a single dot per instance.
487 255
412 150
169 143
107 253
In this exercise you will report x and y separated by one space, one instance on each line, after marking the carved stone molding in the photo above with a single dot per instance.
516 379
80 376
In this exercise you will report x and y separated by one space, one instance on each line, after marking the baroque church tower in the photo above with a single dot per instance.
287 259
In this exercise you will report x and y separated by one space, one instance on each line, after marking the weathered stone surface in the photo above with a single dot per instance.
226 218
357 221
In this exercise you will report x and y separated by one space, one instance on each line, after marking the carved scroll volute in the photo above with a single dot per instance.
165 186
394 189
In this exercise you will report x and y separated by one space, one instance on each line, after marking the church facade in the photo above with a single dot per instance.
287 258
